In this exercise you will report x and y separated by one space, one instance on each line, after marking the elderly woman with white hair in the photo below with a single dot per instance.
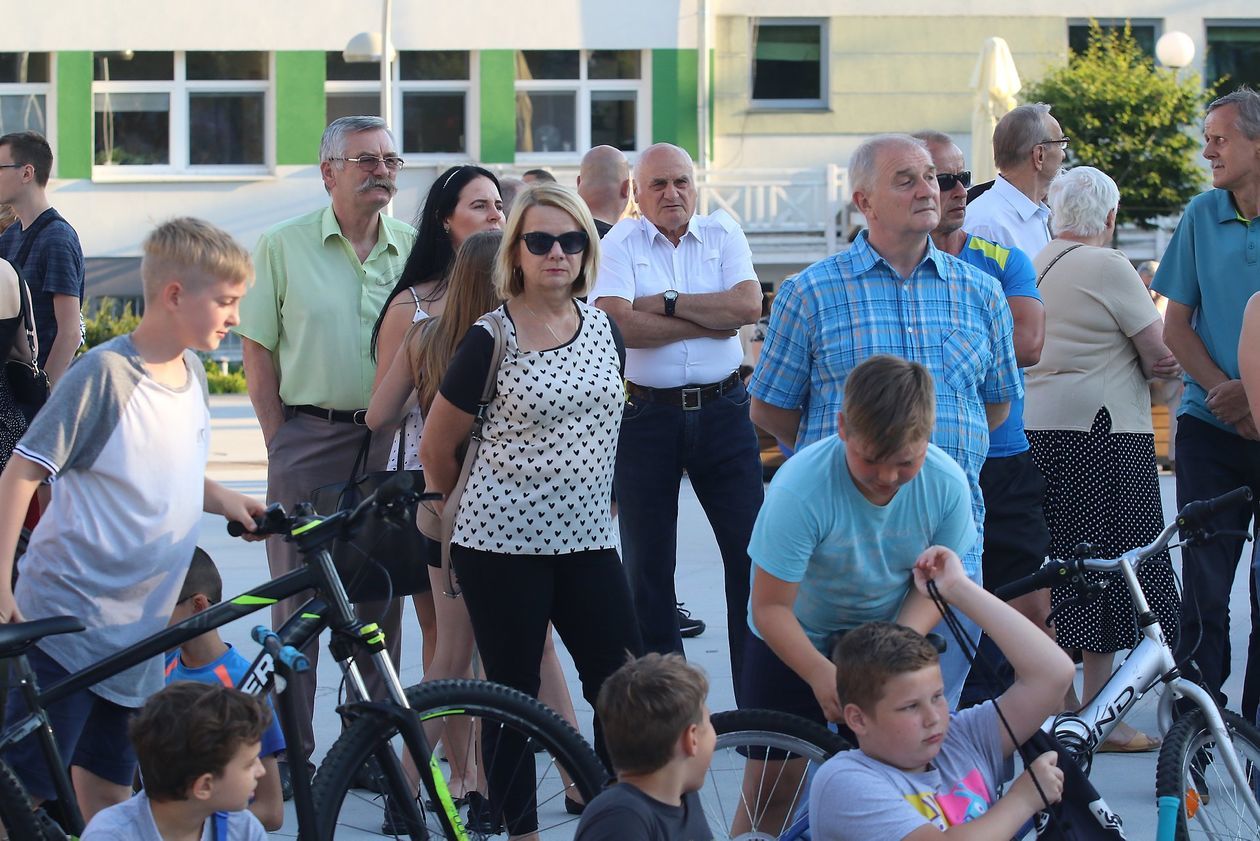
1088 417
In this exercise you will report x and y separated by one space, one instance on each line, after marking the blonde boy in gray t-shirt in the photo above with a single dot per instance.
124 440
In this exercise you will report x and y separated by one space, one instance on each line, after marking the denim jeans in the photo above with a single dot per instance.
717 447
1210 462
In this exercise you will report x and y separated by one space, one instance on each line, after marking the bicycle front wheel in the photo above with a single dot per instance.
1213 805
758 783
18 820
526 767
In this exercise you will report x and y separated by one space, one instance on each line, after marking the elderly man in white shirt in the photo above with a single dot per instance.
679 286
1029 148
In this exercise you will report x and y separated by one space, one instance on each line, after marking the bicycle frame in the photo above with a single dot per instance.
301 629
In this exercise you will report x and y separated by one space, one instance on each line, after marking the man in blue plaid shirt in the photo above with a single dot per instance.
893 292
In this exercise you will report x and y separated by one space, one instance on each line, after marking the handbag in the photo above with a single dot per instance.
386 559
439 527
28 382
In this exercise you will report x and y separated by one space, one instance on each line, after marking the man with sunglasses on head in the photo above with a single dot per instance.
679 286
893 292
1029 148
306 327
1016 538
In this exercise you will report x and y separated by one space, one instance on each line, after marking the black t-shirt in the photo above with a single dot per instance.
624 813
465 378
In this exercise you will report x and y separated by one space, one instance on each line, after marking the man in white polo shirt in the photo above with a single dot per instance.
1029 148
679 286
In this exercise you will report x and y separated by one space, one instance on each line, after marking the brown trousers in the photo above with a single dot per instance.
304 454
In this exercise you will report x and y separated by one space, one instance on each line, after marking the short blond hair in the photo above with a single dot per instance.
889 403
508 282
193 252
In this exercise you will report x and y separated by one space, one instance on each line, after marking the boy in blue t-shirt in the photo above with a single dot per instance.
833 548
208 659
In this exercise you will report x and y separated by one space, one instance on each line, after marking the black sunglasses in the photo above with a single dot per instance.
947 180
573 242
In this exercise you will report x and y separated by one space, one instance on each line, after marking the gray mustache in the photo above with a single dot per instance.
384 183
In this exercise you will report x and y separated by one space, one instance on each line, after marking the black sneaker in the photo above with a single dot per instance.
286 779
394 822
687 626
481 818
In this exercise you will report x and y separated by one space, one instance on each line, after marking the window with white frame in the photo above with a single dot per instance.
568 101
24 88
433 103
165 112
789 63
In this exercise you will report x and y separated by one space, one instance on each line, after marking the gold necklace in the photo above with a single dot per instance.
558 340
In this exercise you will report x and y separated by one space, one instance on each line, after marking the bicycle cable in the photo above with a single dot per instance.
971 651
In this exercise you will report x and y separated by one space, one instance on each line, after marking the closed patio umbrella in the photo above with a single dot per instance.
995 81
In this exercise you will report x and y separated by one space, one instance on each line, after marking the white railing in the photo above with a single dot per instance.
780 201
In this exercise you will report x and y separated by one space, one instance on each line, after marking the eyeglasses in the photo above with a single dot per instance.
11 166
1062 143
369 163
947 180
573 242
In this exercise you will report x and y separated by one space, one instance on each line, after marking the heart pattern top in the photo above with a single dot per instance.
542 482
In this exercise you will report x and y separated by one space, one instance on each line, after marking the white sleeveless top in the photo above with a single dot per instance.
409 430
542 481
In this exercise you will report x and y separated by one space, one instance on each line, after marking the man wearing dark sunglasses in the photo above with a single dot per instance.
1029 148
679 287
1016 538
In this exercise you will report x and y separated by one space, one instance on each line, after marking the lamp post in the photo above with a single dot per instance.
1174 50
376 46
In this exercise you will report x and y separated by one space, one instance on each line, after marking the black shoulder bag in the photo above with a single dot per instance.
28 382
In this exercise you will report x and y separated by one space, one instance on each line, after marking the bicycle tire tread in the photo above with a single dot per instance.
773 721
17 815
1168 768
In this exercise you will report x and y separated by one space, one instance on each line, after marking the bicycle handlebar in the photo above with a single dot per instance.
1193 515
1050 575
275 521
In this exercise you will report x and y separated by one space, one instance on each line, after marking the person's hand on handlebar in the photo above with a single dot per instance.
236 507
942 565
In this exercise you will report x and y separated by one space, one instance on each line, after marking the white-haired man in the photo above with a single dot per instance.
893 292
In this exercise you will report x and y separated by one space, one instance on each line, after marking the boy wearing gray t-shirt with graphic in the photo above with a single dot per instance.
917 772
124 439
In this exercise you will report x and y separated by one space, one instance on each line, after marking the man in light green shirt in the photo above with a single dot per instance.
306 327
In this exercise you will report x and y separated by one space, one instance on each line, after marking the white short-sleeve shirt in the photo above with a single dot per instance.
1008 217
638 260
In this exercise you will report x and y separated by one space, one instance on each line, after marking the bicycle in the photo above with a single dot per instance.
1209 765
505 715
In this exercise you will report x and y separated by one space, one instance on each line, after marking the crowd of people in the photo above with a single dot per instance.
966 389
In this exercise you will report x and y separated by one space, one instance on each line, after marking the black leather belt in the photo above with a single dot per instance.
358 417
689 397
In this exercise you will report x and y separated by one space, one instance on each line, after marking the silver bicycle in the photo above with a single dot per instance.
1209 765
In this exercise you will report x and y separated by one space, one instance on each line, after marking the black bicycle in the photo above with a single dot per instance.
518 796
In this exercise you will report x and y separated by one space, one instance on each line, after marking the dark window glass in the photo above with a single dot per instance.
787 62
23 112
229 65
1143 33
613 119
352 105
613 64
433 121
225 128
546 121
128 66
337 69
433 65
23 67
547 64
132 128
1233 52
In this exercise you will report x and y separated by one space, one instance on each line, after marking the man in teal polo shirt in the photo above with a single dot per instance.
1211 268
306 326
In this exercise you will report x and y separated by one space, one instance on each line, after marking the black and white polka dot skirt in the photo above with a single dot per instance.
1102 488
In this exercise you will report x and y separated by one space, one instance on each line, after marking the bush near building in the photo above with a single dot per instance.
1134 121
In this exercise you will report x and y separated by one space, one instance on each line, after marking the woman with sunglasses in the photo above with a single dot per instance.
533 541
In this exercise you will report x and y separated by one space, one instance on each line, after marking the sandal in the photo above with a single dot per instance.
1139 742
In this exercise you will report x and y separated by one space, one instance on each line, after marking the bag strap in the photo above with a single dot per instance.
1056 259
451 508
20 350
357 470
28 237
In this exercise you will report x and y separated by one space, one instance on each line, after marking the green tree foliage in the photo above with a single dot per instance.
108 319
1134 121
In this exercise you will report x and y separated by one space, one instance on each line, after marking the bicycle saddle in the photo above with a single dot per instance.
16 638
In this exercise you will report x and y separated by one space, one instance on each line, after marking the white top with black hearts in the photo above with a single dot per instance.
542 481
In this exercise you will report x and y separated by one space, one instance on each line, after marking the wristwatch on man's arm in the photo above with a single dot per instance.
671 301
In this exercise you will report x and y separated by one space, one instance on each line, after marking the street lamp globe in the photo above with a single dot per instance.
1175 49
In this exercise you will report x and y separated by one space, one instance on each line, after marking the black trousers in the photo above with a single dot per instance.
510 600
1210 462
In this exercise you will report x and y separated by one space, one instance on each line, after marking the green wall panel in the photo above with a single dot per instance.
498 106
674 103
74 115
300 106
